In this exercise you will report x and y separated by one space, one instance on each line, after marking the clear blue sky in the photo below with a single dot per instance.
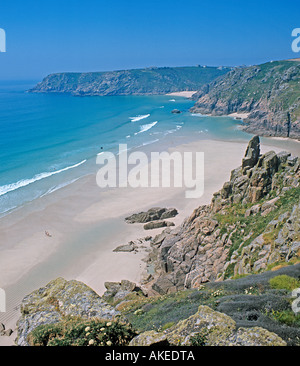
54 36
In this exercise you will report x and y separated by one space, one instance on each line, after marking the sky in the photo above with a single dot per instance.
44 37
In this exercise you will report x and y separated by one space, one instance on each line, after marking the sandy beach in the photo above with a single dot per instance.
186 94
87 223
239 115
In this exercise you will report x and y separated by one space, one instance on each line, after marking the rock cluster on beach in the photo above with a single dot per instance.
134 245
153 214
154 218
208 246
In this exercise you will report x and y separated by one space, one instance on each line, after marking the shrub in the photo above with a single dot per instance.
167 325
198 339
41 335
83 333
284 282
286 317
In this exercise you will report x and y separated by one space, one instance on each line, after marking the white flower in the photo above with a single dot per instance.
87 329
109 343
91 342
108 324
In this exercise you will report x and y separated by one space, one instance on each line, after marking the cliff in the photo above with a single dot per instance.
151 80
268 92
251 226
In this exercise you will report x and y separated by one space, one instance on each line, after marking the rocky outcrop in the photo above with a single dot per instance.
251 224
56 301
5 332
158 224
213 328
134 245
116 291
268 93
152 80
153 214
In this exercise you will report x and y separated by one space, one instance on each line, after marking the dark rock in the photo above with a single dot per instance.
152 214
163 285
176 111
158 224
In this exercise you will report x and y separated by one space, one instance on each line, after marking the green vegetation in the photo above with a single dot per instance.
82 333
287 317
284 282
253 225
162 312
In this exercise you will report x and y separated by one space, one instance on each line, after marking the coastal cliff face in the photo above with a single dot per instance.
251 225
270 93
130 82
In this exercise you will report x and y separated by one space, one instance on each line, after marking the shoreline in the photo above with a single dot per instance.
185 94
87 224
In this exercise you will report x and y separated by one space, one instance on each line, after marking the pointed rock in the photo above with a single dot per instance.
252 154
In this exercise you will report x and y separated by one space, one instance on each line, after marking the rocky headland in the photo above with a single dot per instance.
267 93
152 80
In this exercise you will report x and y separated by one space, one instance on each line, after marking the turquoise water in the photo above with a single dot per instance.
50 140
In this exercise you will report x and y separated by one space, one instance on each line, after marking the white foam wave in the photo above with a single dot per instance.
147 127
198 115
25 182
172 100
138 118
178 127
55 188
147 143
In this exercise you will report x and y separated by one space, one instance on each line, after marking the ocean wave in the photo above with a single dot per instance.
172 100
55 188
145 128
178 127
138 118
198 115
147 143
25 182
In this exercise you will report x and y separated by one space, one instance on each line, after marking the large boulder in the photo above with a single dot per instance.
215 328
153 214
56 301
158 224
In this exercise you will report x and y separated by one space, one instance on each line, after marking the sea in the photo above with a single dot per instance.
48 141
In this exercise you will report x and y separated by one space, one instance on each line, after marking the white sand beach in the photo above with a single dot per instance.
186 94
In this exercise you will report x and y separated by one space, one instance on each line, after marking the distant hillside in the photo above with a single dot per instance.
130 82
269 92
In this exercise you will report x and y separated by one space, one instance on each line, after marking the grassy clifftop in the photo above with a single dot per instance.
151 80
